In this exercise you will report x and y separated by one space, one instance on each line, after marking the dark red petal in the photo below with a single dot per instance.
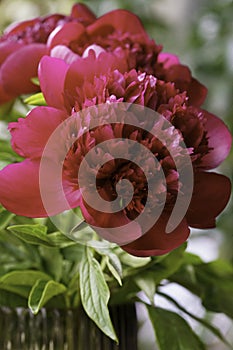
210 196
157 241
30 135
196 92
63 35
19 27
102 221
181 76
219 139
20 67
4 97
119 20
52 72
82 12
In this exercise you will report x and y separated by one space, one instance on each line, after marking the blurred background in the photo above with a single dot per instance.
201 33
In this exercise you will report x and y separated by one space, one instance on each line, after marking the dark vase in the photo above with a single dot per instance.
55 329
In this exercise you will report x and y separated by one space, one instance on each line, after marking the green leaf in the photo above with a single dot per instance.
172 331
32 234
42 292
5 109
74 252
212 282
36 100
20 282
113 271
35 80
216 279
112 261
202 321
60 240
22 291
52 259
167 264
12 300
95 294
23 278
133 261
126 294
5 218
146 282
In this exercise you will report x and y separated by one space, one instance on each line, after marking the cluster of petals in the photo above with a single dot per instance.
23 45
112 60
69 37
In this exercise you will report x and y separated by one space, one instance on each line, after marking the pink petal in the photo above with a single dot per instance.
7 48
89 67
64 53
168 59
20 190
117 20
30 135
15 79
219 139
52 72
63 35
157 241
210 196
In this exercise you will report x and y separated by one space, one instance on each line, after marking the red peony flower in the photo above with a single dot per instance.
120 29
69 37
24 44
104 80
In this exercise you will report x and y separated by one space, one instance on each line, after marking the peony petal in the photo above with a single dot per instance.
20 67
4 97
157 241
210 196
14 28
30 135
20 190
83 13
103 222
63 35
117 20
181 76
52 72
168 59
85 69
197 93
64 53
7 48
219 139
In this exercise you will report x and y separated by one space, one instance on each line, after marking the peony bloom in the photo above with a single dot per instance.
69 37
102 79
24 44
121 29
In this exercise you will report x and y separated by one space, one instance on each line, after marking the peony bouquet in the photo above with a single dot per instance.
107 172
